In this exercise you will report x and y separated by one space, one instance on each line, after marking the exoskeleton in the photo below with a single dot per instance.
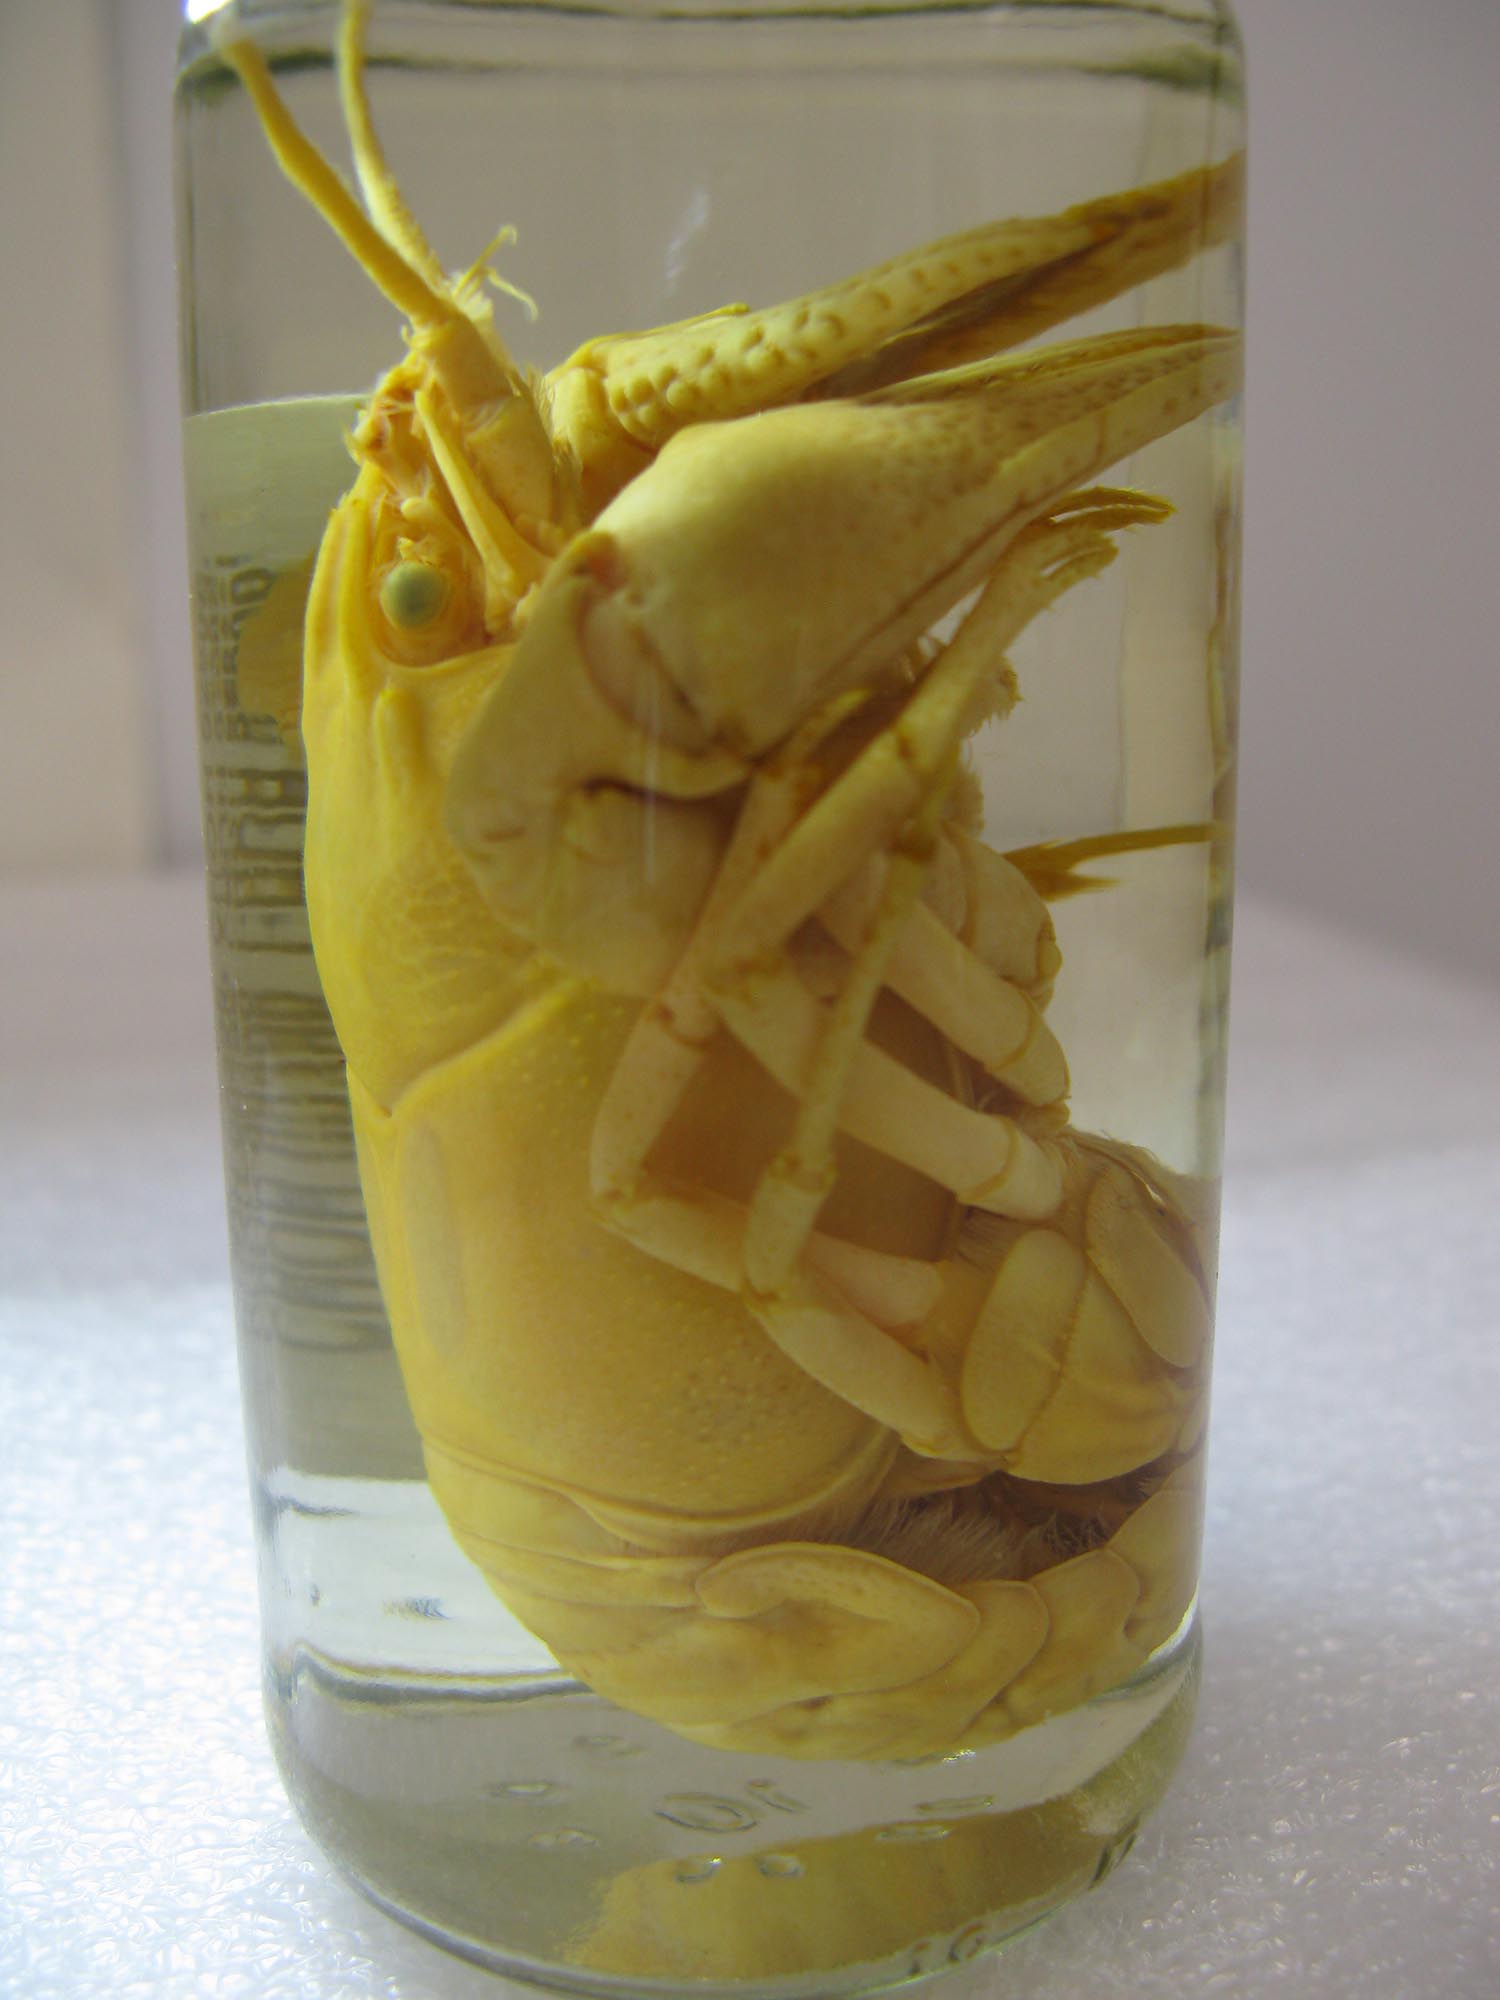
784 1357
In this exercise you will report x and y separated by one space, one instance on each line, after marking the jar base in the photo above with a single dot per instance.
531 1827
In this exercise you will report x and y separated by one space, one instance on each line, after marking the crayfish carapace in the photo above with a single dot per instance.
785 1358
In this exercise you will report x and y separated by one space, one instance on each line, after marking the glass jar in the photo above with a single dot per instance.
719 850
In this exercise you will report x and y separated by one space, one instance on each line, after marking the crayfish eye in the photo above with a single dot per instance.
413 596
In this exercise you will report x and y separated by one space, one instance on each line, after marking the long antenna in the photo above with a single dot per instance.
383 198
310 173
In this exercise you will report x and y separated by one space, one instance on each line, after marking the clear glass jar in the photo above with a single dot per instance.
765 1556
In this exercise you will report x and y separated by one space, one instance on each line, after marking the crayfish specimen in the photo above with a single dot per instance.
784 1357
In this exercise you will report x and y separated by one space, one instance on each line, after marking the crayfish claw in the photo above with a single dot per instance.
619 398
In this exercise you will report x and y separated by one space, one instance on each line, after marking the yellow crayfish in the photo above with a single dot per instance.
782 1355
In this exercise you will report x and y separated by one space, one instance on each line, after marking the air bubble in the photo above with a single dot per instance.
768 1793
607 1746
780 1867
699 1871
704 1813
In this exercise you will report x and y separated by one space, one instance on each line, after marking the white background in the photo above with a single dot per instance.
1372 666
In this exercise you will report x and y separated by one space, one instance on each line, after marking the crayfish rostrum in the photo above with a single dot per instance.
783 1355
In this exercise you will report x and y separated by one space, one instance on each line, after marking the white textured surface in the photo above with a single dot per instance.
1335 1829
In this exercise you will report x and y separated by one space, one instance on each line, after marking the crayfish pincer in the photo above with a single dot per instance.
786 1358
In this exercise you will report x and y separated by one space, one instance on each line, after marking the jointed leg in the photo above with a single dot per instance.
821 867
692 1229
667 1047
805 1318
858 814
794 1307
982 1013
785 860
983 1157
786 1204
812 1318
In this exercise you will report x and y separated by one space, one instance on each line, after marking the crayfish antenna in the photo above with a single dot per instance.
494 419
383 198
310 173
1051 867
